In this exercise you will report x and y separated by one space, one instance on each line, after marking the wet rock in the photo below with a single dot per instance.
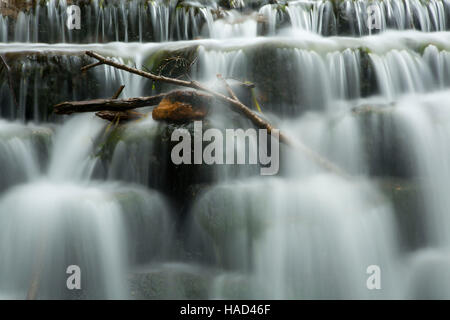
329 21
184 281
24 152
384 142
281 19
407 198
274 71
369 84
181 106
43 79
171 281
146 147
11 8
229 4
148 153
235 286
220 213
147 223
428 274
170 63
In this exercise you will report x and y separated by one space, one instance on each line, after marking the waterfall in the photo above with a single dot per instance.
68 220
305 238
423 119
57 224
105 195
57 216
139 20
21 147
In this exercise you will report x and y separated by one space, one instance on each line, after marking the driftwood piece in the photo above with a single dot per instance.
69 107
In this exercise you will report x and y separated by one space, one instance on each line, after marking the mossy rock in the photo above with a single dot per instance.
383 143
147 223
221 213
48 78
407 198
17 145
155 141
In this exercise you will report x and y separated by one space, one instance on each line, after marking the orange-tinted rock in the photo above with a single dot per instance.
181 106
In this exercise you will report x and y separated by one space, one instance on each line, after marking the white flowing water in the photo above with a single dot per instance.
161 20
75 191
66 218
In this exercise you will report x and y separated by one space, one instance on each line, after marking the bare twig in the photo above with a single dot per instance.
118 92
89 66
227 86
10 82
236 105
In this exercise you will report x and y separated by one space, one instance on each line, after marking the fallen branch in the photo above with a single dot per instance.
89 66
227 86
119 116
69 107
236 105
310 153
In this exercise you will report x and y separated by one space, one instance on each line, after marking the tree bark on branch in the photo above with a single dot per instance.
236 105
69 107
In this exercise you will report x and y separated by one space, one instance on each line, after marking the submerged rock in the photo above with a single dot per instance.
170 281
24 152
186 281
383 142
408 199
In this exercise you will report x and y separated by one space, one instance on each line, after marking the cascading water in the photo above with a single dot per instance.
77 190
67 220
163 20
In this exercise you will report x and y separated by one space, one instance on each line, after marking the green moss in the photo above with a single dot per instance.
171 63
109 141
369 83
